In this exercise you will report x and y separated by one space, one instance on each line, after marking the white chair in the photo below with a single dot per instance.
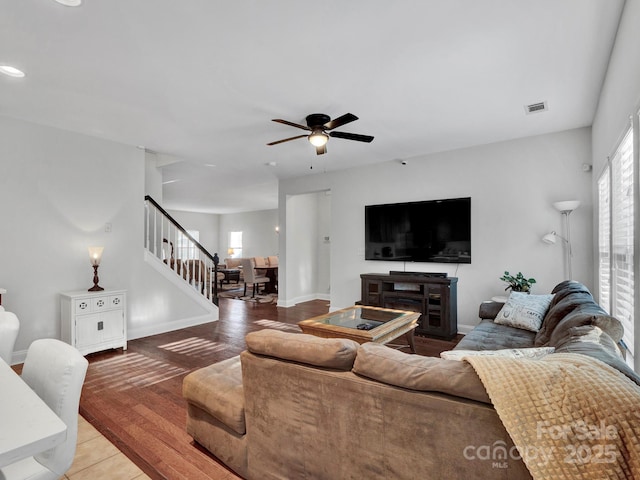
250 276
55 371
9 328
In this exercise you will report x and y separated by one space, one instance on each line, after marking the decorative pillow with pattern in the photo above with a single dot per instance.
533 353
524 311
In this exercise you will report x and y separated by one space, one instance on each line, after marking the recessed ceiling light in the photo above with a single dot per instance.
11 71
70 3
210 165
271 164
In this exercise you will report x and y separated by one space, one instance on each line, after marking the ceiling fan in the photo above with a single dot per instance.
319 124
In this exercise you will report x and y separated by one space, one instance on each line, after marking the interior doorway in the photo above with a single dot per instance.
308 246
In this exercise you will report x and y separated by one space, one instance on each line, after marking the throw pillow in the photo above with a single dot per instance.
530 353
524 311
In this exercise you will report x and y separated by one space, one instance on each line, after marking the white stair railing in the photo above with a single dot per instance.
168 241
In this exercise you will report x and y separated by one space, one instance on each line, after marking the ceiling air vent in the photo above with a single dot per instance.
536 107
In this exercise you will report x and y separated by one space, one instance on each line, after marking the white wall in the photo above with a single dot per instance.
205 223
620 96
259 238
512 185
153 177
58 190
619 99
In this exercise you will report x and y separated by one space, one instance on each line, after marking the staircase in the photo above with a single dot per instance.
182 256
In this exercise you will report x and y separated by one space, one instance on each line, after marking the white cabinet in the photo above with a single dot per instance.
94 321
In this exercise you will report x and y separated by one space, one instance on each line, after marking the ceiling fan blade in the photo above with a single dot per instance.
338 122
287 122
352 136
321 150
286 139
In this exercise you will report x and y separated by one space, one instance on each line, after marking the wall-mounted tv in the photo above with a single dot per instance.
436 231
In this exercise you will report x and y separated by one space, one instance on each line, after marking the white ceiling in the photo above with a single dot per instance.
200 80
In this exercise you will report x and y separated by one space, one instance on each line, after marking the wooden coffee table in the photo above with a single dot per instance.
364 324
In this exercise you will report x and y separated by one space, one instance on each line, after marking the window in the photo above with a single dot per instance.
186 249
616 237
235 244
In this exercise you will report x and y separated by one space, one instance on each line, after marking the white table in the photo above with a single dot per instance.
27 425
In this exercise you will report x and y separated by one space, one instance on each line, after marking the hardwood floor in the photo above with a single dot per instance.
134 397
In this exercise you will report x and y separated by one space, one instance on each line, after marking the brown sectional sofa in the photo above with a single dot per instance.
298 406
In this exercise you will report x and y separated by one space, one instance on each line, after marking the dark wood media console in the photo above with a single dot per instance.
434 297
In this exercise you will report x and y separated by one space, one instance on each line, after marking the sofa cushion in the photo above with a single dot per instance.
415 372
596 345
586 317
489 309
524 311
217 389
576 301
568 286
338 353
490 336
533 353
584 334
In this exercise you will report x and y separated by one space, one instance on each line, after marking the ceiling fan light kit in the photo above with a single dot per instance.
318 138
318 124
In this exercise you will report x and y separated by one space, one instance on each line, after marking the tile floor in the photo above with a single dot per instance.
97 458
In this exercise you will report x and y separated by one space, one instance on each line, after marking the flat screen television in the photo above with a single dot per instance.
436 231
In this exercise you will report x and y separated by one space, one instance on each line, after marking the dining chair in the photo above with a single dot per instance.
9 328
56 372
260 264
251 277
196 273
273 261
200 276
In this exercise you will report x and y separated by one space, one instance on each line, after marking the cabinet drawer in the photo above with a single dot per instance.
116 301
82 305
99 303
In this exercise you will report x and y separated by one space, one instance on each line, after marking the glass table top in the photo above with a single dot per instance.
360 318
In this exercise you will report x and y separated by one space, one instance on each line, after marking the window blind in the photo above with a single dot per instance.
622 237
604 240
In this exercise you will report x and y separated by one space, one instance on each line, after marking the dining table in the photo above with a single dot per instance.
271 272
27 425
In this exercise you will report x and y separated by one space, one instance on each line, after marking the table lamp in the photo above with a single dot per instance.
95 255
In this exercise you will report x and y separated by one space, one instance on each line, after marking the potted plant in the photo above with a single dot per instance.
518 283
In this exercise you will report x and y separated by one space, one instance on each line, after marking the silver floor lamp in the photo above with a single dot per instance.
565 208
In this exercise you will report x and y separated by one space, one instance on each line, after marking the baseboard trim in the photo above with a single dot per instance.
134 333
302 299
464 329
